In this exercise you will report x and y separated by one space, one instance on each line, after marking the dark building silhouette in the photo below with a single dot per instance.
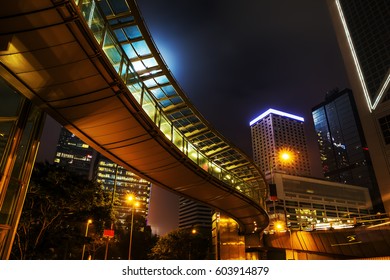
344 154
74 154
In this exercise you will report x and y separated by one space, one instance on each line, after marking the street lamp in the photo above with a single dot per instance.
86 234
291 243
193 232
131 200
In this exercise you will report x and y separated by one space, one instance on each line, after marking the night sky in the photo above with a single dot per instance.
236 59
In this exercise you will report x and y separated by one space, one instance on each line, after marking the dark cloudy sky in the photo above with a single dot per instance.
236 59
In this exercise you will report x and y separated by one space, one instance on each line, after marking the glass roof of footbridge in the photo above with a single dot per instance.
135 41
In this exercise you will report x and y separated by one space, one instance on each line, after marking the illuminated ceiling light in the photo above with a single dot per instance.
276 112
217 169
193 155
355 59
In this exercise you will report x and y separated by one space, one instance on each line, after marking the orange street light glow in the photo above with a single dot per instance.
286 155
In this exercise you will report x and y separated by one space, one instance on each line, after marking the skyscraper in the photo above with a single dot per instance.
362 28
194 214
80 158
116 179
343 149
74 154
277 135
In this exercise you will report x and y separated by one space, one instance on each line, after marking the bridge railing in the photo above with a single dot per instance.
107 40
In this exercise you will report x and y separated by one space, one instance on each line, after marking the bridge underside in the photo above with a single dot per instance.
354 243
51 57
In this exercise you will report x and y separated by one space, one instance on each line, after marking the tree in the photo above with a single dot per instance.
56 209
143 239
182 244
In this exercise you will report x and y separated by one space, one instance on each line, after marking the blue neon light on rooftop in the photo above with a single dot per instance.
277 112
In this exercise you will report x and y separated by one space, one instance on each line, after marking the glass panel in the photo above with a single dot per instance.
226 177
112 52
150 83
192 153
141 48
138 66
131 78
133 32
120 35
158 93
169 90
166 103
10 102
105 8
148 106
177 139
165 127
124 70
94 19
215 170
158 117
136 90
129 51
150 62
5 132
15 184
177 100
162 80
203 162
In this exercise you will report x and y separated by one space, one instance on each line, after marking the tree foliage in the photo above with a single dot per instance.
143 239
181 244
56 209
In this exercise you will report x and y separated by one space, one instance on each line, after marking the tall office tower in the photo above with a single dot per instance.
117 179
74 154
194 214
279 143
362 28
343 149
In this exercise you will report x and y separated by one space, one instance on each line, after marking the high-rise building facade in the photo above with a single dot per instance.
80 158
74 154
279 143
123 183
362 28
344 154
194 214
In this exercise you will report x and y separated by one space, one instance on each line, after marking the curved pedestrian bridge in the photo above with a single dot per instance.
93 66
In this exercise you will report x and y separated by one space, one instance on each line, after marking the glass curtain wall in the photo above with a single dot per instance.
20 128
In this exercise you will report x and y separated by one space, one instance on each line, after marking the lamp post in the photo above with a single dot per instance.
291 244
193 232
86 234
288 156
134 203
